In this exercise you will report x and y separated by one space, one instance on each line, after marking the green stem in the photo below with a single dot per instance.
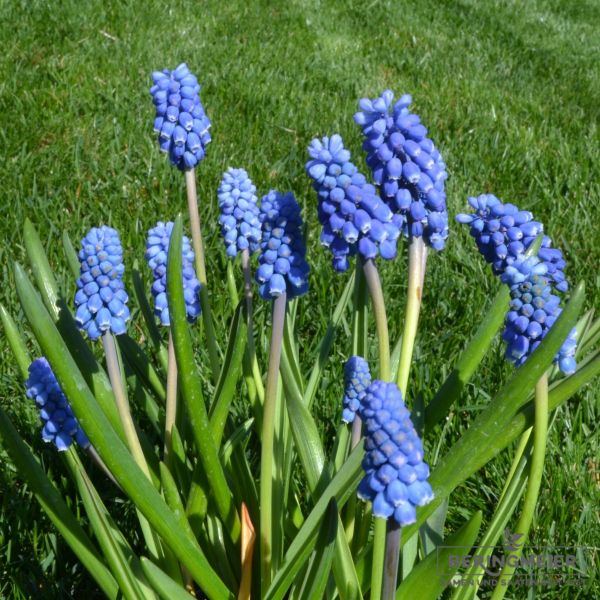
374 284
231 284
211 339
417 257
379 543
266 460
171 405
540 434
392 557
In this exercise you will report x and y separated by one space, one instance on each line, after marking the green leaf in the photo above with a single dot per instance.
425 581
319 567
55 507
341 487
327 342
230 372
108 444
489 433
469 360
191 386
141 364
17 344
167 588
117 552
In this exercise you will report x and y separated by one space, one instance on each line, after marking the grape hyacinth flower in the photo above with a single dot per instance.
101 299
533 311
181 123
282 260
240 223
353 216
60 425
157 248
406 166
503 233
395 478
357 379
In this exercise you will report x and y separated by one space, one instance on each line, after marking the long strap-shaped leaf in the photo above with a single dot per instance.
191 386
167 588
55 507
108 444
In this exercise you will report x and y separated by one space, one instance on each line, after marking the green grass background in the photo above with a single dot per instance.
510 92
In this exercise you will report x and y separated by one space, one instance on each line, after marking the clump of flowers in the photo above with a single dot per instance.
406 166
503 233
395 478
60 425
157 248
282 260
533 311
353 216
101 299
240 223
357 379
181 123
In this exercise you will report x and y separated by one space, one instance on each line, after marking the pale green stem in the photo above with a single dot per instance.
171 405
392 558
417 257
536 470
233 293
211 339
374 284
131 437
268 428
516 460
260 390
93 453
379 543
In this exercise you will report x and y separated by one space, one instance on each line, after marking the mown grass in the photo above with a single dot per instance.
510 92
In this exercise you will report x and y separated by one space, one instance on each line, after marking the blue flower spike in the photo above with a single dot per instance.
101 299
533 311
357 379
353 216
396 477
181 123
282 259
157 248
240 222
60 425
503 233
406 166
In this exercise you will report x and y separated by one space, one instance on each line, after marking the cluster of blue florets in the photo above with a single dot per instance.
181 123
406 166
282 259
101 298
357 379
60 425
353 216
157 249
533 311
503 233
240 223
395 478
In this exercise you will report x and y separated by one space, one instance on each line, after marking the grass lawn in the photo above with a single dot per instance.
510 92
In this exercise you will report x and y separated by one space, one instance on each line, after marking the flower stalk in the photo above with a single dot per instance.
171 403
211 339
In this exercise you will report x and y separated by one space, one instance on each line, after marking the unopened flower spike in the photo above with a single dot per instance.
101 299
282 258
60 425
533 311
503 233
353 216
181 123
357 379
240 222
157 248
406 166
396 477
